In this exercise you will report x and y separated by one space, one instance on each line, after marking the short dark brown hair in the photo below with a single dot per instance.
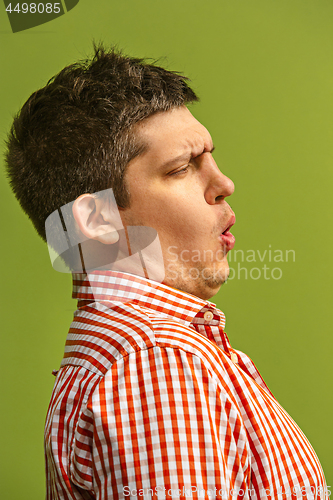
75 135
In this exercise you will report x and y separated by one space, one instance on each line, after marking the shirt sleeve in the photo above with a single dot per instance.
161 426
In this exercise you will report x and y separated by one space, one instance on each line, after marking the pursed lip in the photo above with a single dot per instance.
229 224
226 237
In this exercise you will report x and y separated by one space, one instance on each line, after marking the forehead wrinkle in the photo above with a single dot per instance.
199 144
189 141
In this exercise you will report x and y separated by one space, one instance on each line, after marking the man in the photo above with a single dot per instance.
150 399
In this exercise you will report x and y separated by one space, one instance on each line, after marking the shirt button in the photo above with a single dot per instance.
208 315
234 357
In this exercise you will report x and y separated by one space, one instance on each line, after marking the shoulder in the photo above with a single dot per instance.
103 333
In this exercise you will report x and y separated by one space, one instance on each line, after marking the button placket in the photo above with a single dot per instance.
208 316
234 357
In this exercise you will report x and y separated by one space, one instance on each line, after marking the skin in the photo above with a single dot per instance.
177 188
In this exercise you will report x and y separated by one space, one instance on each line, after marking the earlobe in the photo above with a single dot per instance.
108 237
94 220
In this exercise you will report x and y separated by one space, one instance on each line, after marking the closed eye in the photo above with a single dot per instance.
181 171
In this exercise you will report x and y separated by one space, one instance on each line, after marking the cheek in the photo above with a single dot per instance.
184 232
175 214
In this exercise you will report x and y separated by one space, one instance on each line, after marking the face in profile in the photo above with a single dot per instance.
176 188
178 192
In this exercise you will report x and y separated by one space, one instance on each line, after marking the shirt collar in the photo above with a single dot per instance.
111 286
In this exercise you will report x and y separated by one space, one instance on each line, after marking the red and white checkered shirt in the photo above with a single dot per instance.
152 402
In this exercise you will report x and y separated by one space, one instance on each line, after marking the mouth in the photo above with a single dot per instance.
226 237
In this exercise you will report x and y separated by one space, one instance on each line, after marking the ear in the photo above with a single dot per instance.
96 219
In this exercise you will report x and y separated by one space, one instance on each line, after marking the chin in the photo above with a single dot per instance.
209 286
223 272
202 281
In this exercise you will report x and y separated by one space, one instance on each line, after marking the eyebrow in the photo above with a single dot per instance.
185 156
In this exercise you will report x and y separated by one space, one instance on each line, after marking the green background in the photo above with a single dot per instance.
264 72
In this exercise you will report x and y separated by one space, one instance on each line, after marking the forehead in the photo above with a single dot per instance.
174 132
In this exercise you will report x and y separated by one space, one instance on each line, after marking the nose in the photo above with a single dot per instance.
218 185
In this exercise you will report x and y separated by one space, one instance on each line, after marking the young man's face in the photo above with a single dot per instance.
177 188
